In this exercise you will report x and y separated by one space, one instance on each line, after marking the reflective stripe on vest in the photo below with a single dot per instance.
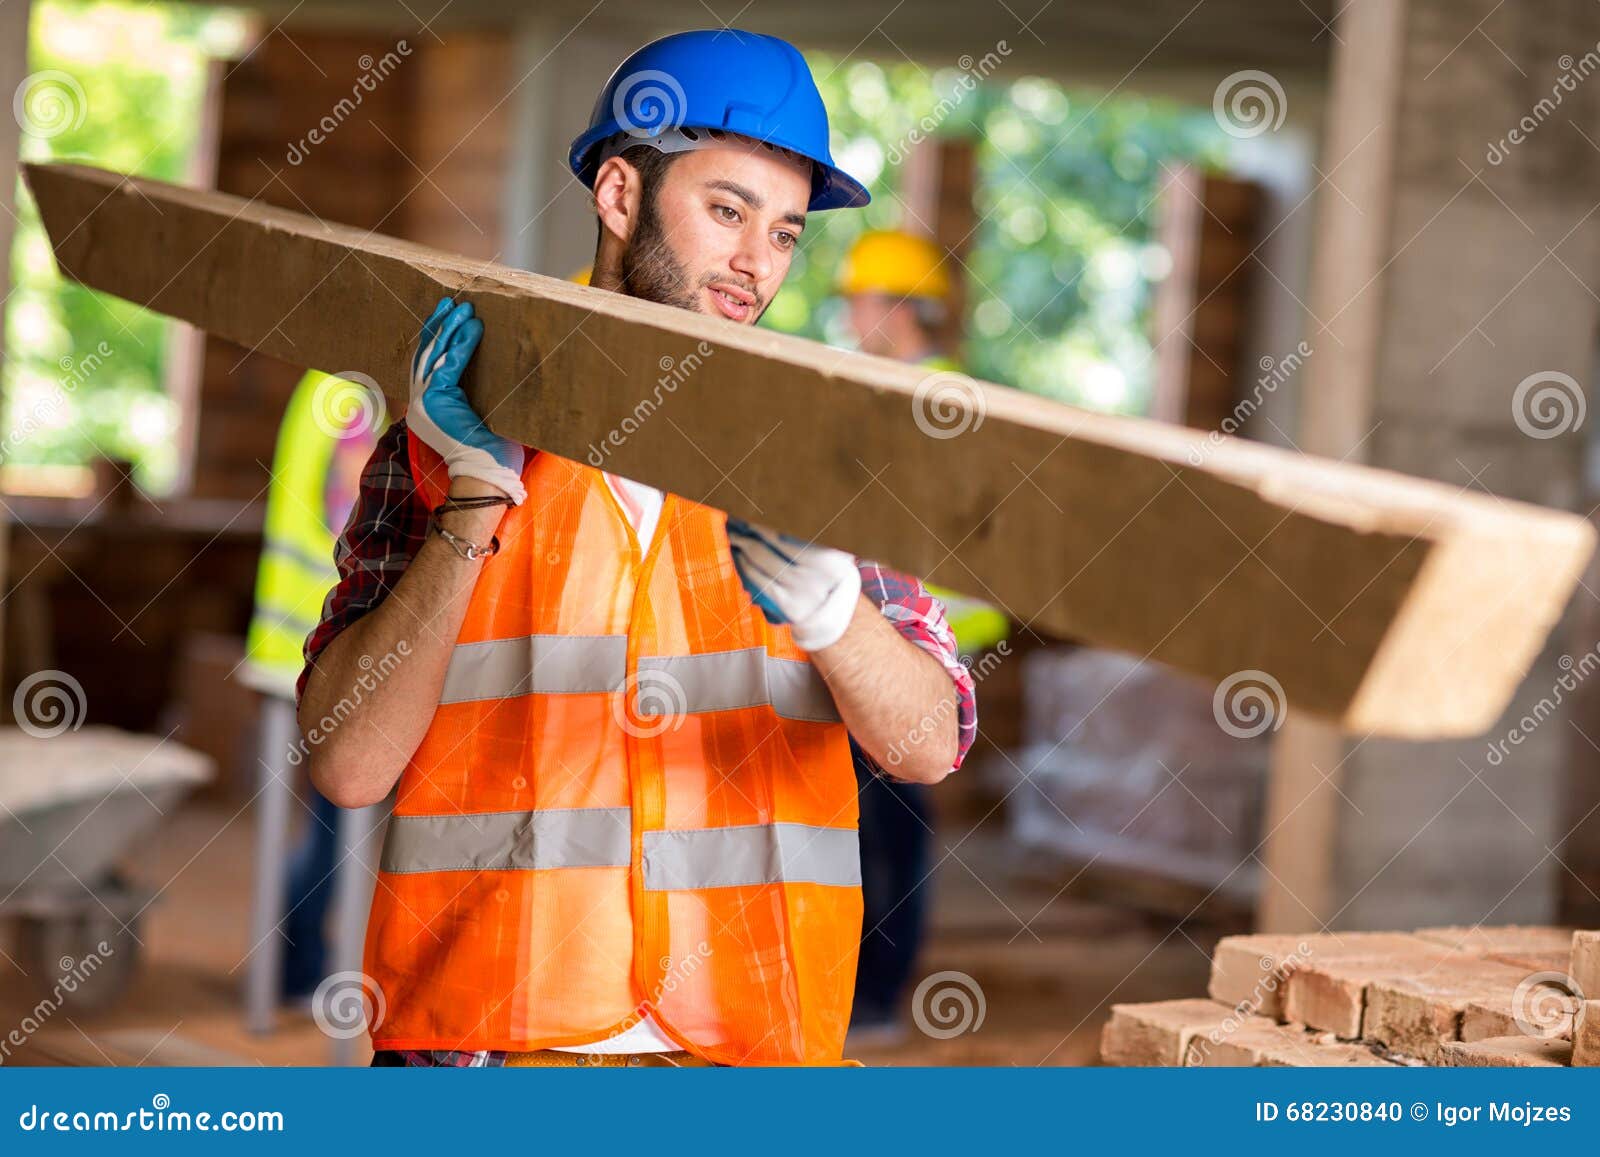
730 857
666 685
593 837
730 680
535 665
751 854
524 903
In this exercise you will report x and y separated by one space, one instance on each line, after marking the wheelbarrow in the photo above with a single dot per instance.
71 806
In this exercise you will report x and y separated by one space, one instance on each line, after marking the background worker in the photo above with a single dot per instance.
622 733
898 288
328 432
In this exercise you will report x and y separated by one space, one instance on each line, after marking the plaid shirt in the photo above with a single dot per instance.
389 524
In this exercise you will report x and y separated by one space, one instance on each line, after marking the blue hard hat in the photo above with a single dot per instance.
740 82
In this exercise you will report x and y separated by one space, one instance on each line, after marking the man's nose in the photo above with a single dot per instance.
753 258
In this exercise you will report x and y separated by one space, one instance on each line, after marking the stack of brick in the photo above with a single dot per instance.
1453 996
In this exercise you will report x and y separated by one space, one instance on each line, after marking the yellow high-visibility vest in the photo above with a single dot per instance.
296 570
977 625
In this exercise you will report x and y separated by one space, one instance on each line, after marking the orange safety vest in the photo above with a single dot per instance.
635 796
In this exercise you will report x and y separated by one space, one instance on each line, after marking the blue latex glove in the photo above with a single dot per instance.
441 415
812 589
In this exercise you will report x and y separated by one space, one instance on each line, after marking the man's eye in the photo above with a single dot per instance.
786 240
727 214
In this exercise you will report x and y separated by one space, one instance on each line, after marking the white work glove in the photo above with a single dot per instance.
813 589
441 415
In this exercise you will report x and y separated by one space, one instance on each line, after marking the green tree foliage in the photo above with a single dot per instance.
1062 263
118 85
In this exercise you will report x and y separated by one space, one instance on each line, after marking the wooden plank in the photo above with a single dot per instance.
1388 604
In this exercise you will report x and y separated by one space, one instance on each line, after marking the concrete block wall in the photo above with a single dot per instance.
1454 269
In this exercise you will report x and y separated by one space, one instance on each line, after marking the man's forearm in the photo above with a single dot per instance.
375 687
896 699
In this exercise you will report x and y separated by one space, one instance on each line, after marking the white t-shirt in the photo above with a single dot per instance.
642 505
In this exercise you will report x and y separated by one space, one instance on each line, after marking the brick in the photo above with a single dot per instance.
1554 960
1250 972
1518 1052
1159 1034
1586 1036
1583 963
1312 1052
1509 938
1244 1047
1332 996
1414 1014
1547 1015
1275 1046
1545 1008
1247 972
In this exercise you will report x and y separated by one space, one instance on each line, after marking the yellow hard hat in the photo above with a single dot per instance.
897 264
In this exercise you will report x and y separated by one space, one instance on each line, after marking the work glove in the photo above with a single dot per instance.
812 589
441 415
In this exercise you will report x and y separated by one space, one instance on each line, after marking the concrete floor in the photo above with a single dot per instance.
1048 967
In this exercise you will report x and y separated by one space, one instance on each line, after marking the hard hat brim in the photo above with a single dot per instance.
831 186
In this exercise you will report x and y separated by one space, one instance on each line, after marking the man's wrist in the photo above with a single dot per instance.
466 486
476 523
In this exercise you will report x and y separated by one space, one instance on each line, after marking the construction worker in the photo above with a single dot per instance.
328 431
622 730
897 287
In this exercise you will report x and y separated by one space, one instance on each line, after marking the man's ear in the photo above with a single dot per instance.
617 193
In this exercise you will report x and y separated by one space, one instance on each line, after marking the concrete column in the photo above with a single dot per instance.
1454 262
549 225
529 174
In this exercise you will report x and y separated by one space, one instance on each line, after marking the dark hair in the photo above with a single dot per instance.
652 165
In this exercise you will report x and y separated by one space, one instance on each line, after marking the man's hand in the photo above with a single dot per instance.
441 415
814 589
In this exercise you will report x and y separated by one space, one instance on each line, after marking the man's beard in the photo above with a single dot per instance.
650 271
